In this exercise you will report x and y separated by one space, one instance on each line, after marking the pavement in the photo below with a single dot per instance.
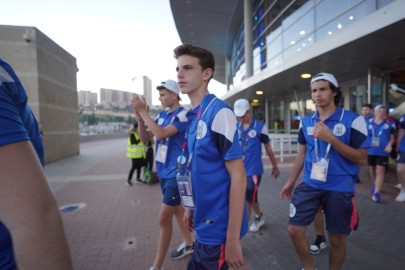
112 226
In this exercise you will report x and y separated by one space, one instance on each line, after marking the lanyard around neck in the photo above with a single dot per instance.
316 146
381 128
184 145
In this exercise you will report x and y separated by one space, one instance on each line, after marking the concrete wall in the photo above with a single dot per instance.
49 75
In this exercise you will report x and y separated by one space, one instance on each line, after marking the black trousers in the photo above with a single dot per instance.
137 164
149 158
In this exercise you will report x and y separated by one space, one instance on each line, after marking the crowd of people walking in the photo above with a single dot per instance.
209 163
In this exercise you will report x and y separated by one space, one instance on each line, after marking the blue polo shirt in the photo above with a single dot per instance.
17 123
178 119
212 140
251 140
383 132
401 124
350 128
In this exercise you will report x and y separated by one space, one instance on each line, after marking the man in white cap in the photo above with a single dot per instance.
335 138
252 134
169 129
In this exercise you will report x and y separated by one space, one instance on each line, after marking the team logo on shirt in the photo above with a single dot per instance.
292 210
160 121
181 159
310 130
339 129
385 126
252 133
201 129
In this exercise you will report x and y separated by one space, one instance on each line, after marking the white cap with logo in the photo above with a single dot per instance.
240 107
169 85
325 76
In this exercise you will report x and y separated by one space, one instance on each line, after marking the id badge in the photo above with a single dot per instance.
319 170
185 190
161 153
375 141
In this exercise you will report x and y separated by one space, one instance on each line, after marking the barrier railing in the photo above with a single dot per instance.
283 145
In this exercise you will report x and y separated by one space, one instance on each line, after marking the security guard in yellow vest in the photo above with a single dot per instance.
136 152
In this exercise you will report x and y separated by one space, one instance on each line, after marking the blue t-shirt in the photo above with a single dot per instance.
178 119
211 142
381 134
350 128
251 140
401 124
17 123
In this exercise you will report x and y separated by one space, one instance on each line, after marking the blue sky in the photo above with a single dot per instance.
112 40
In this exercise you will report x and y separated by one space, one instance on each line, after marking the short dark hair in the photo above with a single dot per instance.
205 57
367 105
135 125
338 96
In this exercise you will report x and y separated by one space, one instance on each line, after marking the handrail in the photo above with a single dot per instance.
283 145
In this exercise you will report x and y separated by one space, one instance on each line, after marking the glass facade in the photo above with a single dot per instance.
282 29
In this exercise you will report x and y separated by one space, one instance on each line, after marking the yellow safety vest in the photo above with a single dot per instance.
135 150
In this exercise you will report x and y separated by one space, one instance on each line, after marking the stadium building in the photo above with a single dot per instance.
265 49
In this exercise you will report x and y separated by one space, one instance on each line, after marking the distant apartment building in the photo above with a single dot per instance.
49 75
86 99
111 98
143 86
115 99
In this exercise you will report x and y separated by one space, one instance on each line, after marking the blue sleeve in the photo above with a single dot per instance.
12 103
181 121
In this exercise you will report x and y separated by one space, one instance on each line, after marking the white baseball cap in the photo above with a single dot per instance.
169 85
240 107
380 106
325 76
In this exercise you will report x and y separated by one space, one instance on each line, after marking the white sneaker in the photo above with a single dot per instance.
401 196
398 186
257 224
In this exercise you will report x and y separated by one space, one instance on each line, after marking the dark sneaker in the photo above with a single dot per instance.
139 181
129 183
318 245
181 251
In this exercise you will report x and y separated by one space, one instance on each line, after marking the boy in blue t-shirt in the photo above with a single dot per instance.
218 178
169 129
252 134
381 133
330 138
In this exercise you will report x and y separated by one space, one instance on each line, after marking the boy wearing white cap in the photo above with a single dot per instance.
168 128
381 133
330 138
252 134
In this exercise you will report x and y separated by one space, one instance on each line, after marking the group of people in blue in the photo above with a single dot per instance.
209 163
213 143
